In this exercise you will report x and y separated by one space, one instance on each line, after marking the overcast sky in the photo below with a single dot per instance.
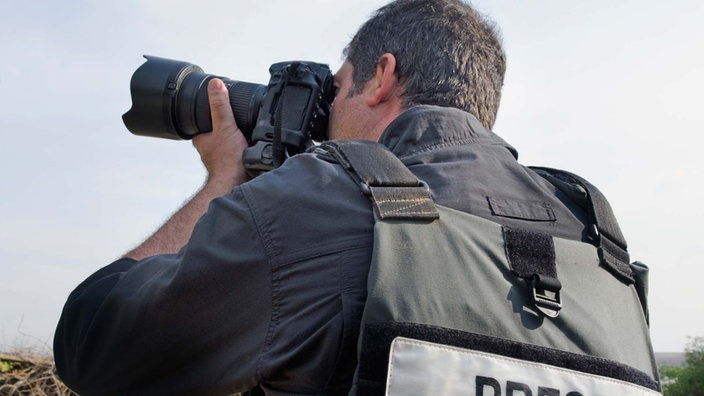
611 90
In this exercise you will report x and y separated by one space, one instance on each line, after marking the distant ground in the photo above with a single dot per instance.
669 358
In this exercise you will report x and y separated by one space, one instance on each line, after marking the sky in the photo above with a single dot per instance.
610 90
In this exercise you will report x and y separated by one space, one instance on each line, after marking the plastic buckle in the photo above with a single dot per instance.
546 295
367 190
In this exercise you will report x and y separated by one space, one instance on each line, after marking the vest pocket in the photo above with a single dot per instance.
523 210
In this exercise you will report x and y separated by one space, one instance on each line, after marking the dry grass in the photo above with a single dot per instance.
26 373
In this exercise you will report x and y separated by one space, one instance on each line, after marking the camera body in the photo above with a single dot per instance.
279 120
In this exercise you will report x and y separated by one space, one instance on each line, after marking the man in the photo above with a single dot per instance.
262 283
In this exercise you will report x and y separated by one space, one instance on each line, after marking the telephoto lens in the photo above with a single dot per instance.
170 100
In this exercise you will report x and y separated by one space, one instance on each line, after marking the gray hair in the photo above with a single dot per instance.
447 54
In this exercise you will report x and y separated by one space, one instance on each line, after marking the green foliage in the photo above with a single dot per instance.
687 380
6 366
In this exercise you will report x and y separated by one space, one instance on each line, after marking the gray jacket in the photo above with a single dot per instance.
271 286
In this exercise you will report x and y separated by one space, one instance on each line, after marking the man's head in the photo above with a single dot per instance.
446 54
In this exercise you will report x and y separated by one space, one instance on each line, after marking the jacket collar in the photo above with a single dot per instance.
424 127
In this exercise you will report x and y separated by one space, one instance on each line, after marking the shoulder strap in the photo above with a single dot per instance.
604 229
395 192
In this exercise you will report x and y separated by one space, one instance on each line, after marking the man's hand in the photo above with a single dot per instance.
221 152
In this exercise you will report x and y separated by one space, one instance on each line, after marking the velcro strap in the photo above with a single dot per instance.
531 256
530 253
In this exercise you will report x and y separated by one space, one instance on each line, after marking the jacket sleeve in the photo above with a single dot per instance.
172 324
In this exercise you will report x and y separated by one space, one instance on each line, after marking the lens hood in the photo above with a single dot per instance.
154 87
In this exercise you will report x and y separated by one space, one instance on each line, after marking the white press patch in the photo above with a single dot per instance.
424 368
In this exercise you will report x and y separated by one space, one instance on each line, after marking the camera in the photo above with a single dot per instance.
280 119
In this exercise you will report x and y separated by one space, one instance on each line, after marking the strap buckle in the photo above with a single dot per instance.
546 294
367 189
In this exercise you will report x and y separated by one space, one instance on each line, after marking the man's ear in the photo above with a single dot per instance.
385 81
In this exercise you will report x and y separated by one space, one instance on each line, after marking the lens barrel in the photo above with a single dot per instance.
170 100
